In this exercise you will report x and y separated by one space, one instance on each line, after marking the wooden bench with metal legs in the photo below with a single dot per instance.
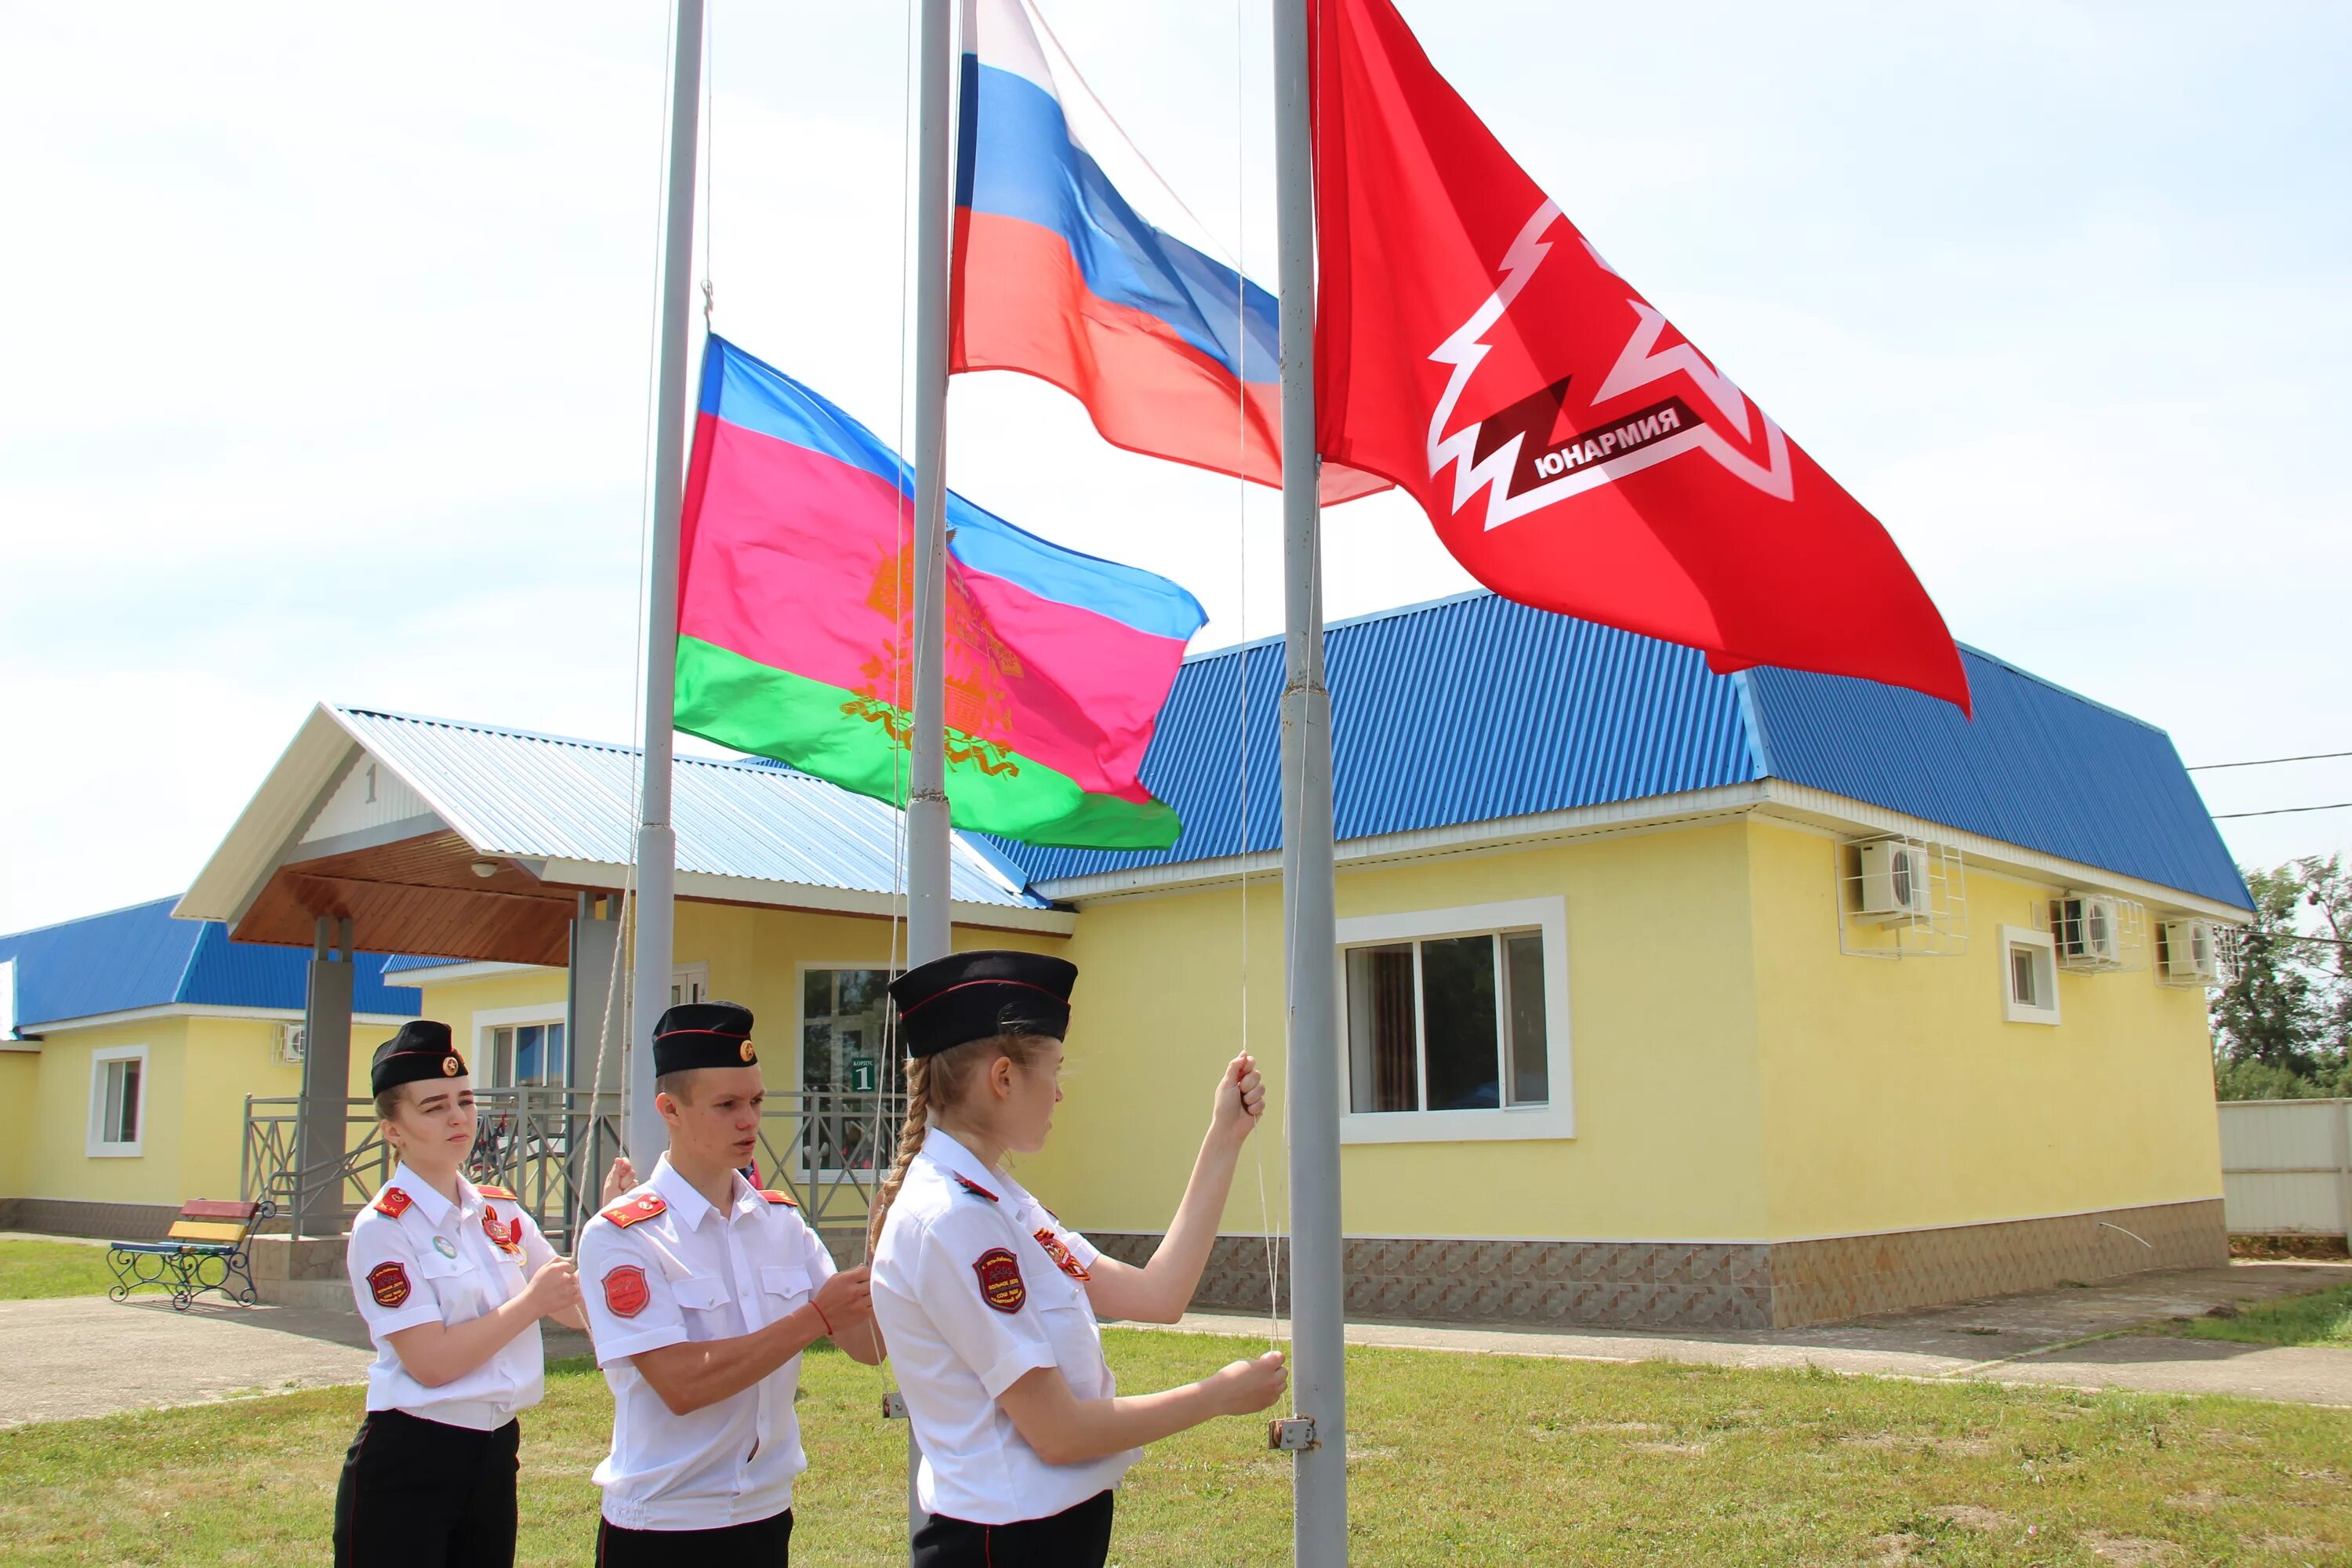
207 1248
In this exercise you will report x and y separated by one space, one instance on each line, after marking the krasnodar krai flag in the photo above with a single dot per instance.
1076 263
795 594
1574 451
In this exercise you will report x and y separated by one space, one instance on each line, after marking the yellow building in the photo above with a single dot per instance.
130 1043
1669 997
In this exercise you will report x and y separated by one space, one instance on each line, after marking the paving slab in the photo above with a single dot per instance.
89 1356
2076 1336
85 1355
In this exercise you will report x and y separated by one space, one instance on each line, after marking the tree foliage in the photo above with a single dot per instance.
2283 1026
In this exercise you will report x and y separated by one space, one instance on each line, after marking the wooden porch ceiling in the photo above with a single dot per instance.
417 896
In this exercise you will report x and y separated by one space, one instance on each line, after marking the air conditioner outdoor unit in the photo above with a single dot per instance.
1893 881
2086 929
289 1046
2189 951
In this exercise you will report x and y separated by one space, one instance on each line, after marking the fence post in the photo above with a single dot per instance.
2343 1165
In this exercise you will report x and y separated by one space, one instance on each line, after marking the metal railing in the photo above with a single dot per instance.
550 1147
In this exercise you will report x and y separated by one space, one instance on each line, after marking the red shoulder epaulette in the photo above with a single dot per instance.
496 1192
784 1198
645 1205
968 1185
392 1202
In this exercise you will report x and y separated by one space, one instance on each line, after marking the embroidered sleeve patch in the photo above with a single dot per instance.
388 1283
625 1291
1000 1279
629 1210
392 1201
1063 1258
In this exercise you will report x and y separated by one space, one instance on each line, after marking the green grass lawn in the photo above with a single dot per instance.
1457 1460
2324 1318
34 1270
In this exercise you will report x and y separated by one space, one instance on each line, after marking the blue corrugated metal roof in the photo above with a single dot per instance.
2038 765
1474 708
548 797
141 957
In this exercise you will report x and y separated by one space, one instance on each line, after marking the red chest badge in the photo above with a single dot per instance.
507 1237
625 1291
1063 1258
1000 1279
388 1283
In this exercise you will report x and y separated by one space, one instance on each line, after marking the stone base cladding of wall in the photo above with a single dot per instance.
71 1216
1851 1276
1685 1285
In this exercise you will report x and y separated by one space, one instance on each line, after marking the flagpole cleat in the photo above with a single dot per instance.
1291 1435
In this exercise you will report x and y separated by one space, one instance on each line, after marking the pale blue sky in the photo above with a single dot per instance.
325 336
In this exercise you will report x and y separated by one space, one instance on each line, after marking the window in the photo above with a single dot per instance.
525 1055
842 1070
689 983
117 1101
2028 977
1455 1024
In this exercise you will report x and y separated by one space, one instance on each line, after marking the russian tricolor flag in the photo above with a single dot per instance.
1075 263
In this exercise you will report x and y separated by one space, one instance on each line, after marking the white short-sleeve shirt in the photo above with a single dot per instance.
660 1267
415 1258
976 1285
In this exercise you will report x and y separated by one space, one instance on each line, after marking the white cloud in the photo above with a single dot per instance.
325 333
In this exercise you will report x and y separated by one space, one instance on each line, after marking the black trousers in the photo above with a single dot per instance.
762 1543
1077 1537
423 1494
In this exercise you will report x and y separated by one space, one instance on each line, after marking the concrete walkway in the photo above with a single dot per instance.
87 1356
2082 1337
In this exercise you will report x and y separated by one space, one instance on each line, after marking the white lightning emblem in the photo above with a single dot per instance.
1636 366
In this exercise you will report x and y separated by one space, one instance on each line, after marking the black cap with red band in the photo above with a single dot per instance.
969 996
703 1035
420 1051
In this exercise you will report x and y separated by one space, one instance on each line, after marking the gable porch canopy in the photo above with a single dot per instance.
466 842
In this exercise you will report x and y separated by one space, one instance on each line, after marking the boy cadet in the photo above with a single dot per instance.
702 1290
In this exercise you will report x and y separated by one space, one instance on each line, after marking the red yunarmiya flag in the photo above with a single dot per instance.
1574 450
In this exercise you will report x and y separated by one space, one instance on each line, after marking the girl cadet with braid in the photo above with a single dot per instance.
989 1303
452 1280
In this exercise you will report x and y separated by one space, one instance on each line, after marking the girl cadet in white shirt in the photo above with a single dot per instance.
452 1279
989 1303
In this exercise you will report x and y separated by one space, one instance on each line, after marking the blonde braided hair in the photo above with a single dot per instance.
937 1082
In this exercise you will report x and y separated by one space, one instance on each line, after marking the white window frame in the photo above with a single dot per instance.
884 1075
2045 973
98 1148
685 977
1555 1119
487 1021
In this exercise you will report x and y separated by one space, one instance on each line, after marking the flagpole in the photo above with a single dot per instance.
929 932
1318 1375
641 1128
927 798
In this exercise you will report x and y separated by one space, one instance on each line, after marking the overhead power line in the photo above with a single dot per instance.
2271 762
2281 811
